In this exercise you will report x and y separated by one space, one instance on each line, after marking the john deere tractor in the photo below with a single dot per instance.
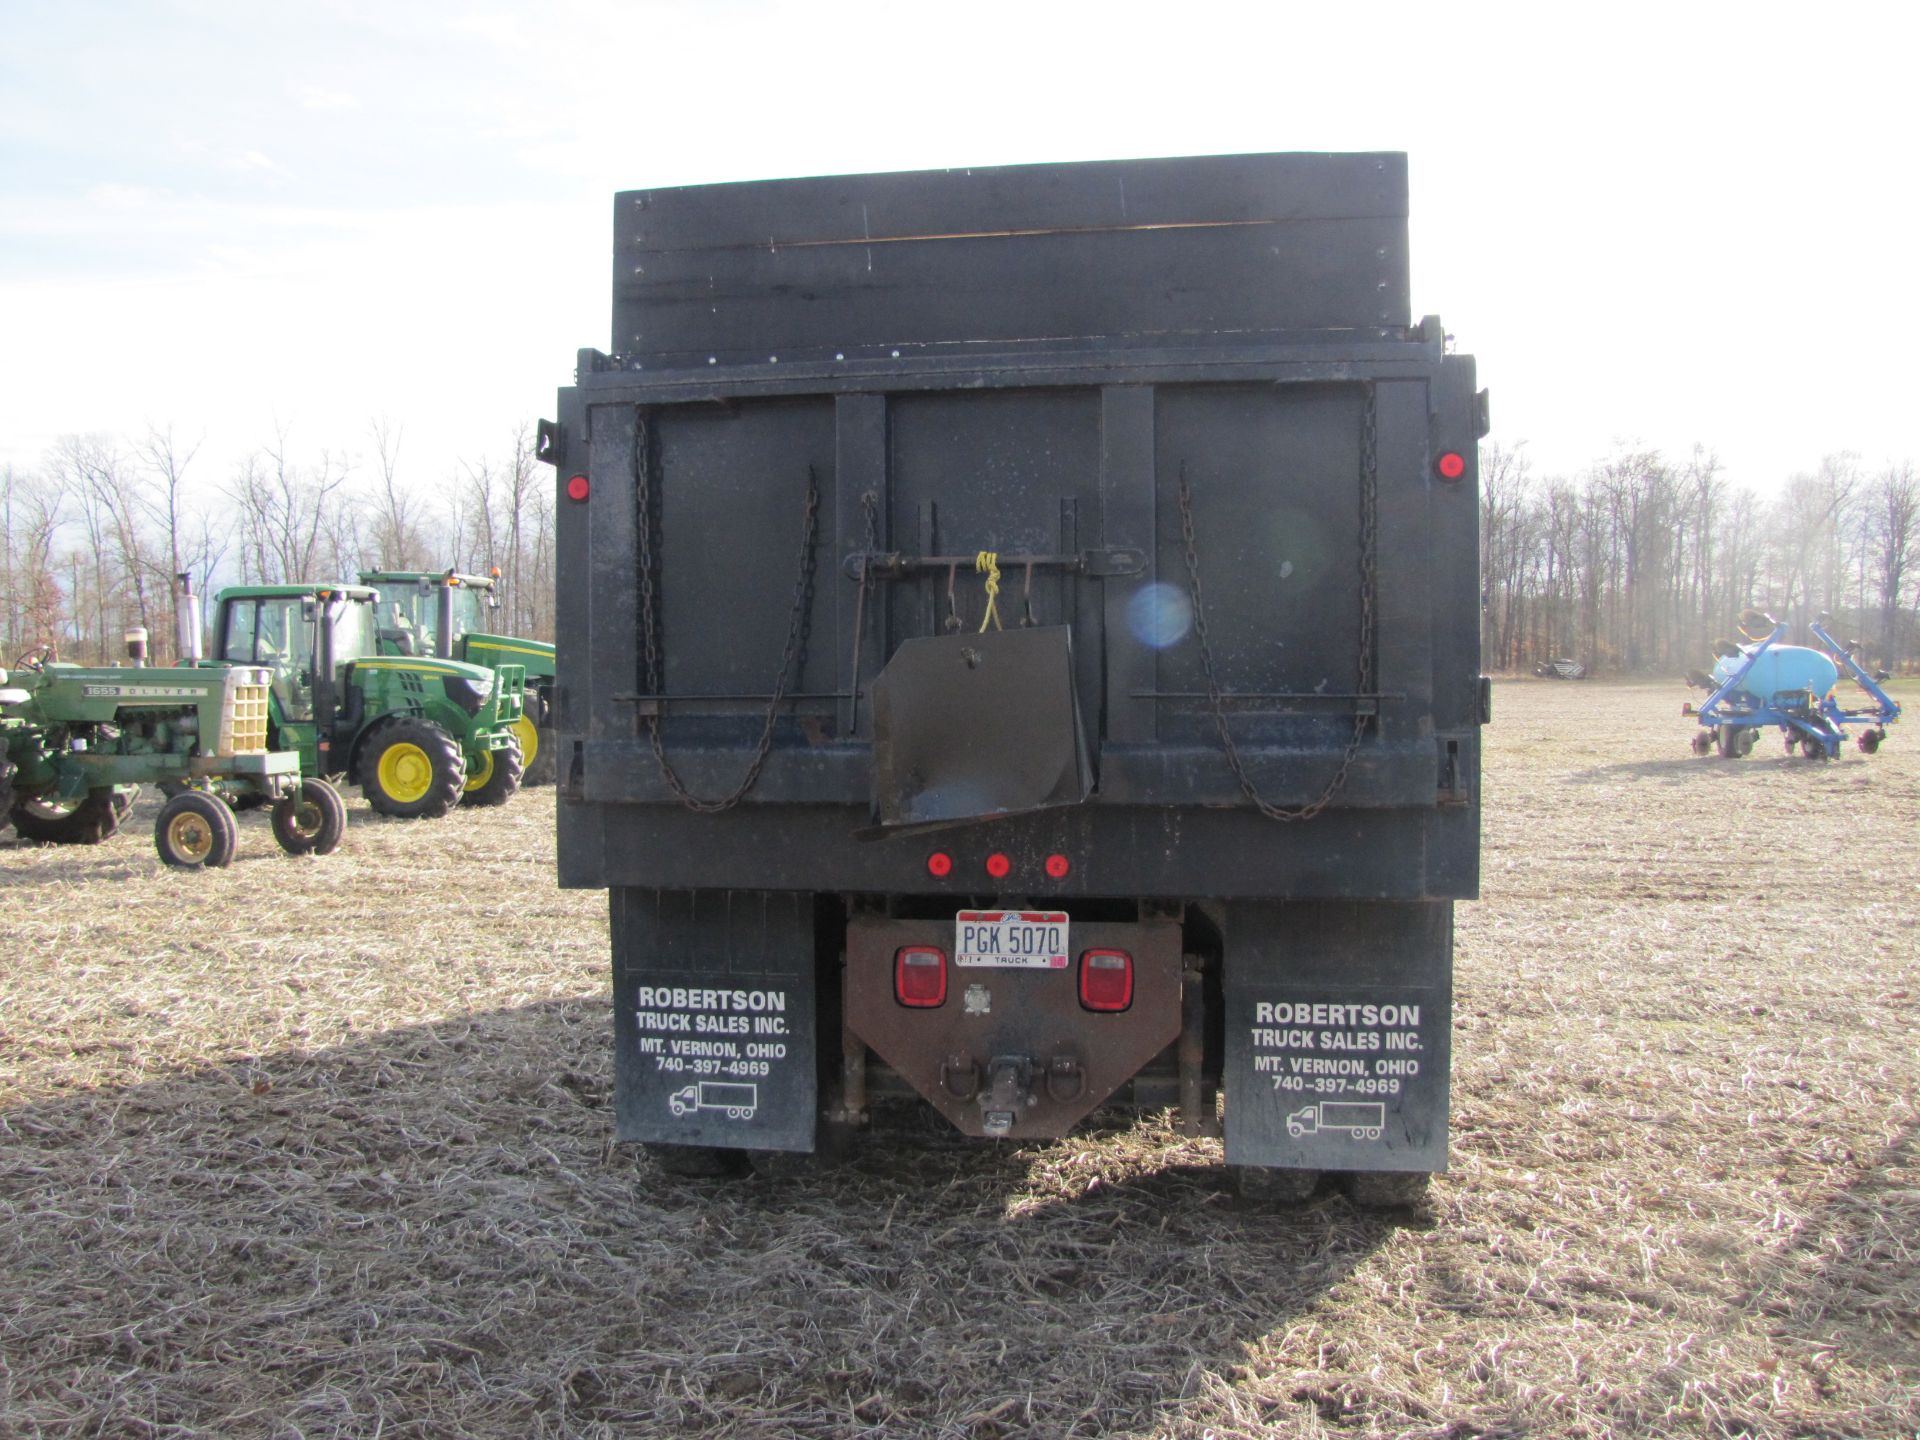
417 734
76 744
448 614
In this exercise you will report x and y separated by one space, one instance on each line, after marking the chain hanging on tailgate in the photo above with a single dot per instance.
1369 507
797 626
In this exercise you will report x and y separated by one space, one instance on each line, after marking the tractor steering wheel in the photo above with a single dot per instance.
36 658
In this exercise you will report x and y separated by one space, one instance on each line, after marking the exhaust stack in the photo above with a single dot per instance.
187 620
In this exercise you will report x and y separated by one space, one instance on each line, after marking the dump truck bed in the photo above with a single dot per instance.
1038 363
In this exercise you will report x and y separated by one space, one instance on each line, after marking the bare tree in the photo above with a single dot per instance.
1894 527
396 538
290 521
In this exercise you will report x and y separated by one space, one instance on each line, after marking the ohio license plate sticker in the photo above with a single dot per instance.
1012 939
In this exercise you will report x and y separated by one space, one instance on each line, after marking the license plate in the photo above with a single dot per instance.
1017 939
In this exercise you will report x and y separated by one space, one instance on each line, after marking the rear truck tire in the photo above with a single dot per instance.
195 831
411 769
310 820
86 821
1275 1187
697 1162
496 779
1386 1189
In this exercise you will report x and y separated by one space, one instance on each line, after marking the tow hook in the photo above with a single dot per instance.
961 1076
1065 1080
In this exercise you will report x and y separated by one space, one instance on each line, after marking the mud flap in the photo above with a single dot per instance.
971 726
1338 1034
713 999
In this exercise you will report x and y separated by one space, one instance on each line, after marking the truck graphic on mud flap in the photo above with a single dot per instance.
1362 1121
738 1101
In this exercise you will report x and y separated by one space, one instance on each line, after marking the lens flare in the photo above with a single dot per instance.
1160 615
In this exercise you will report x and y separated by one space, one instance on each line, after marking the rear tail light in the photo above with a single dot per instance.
1106 980
920 976
998 865
578 488
1451 465
1058 866
939 864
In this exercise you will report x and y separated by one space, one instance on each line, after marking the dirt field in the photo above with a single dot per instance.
316 1148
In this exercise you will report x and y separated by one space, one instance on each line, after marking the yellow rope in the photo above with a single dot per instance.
988 563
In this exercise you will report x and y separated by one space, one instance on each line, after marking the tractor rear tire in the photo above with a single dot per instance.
497 779
310 820
195 831
536 721
86 821
411 769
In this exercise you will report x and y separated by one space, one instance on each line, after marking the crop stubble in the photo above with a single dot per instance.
321 1147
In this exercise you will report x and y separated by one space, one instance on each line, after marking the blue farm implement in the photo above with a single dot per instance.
1794 687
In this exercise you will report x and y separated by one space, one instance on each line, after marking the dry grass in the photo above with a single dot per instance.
321 1148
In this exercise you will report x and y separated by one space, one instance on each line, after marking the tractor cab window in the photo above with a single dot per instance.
469 613
276 632
407 619
353 627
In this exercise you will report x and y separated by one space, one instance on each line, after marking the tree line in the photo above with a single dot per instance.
92 538
1639 564
1642 563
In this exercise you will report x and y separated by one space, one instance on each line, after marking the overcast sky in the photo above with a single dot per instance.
1669 224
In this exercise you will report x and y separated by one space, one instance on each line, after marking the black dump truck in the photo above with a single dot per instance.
1018 648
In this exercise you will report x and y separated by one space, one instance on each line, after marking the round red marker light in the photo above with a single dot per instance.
999 866
577 488
939 864
1451 465
1058 866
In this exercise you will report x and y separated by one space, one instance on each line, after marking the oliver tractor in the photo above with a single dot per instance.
418 735
447 614
76 744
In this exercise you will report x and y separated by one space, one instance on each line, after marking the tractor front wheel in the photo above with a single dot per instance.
195 831
411 769
495 777
86 821
310 820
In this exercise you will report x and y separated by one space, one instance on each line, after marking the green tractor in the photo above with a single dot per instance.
448 614
418 735
77 743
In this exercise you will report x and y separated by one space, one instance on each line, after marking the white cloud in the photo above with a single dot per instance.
314 97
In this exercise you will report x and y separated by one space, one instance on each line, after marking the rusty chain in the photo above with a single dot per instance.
799 627
1369 521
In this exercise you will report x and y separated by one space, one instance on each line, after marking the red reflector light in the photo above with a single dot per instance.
577 488
1106 979
920 976
939 864
1058 866
999 866
1451 465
